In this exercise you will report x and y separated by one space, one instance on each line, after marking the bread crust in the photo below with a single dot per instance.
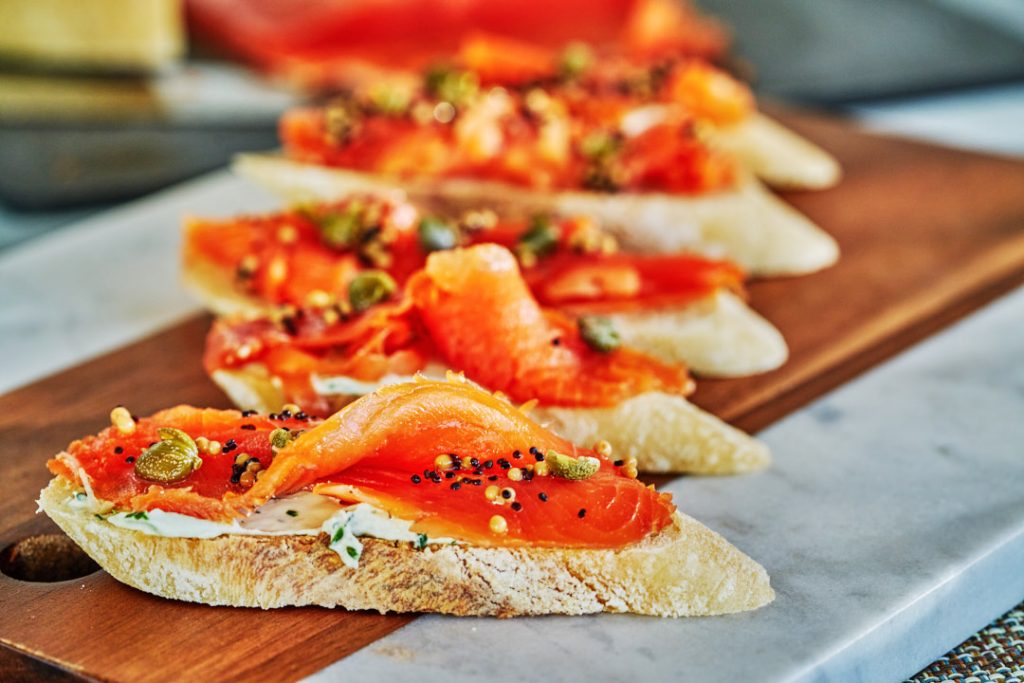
684 570
776 154
747 224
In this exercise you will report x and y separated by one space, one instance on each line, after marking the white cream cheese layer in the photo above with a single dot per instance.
300 514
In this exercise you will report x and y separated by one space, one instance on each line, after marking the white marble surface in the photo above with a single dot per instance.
102 283
892 525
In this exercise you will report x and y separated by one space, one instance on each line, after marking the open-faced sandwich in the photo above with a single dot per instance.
423 497
469 310
677 307
649 150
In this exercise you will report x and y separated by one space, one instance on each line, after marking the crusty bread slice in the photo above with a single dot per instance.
665 433
747 224
718 336
777 155
685 570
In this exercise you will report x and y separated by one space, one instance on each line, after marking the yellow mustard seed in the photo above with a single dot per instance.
498 525
122 420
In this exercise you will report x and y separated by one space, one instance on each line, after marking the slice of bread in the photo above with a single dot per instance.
685 570
777 155
665 433
718 336
747 224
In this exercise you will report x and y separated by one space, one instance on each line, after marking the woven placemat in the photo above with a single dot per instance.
993 655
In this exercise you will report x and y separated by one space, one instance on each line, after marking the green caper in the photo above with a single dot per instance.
600 145
437 235
568 467
599 333
340 230
451 85
541 239
370 287
390 100
280 437
576 59
170 460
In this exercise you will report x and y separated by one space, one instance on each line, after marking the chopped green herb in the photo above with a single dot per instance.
292 513
437 235
352 552
421 541
370 287
338 535
599 333
137 515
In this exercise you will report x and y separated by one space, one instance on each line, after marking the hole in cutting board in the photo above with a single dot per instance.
45 558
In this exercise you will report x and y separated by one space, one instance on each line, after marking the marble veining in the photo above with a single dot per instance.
892 525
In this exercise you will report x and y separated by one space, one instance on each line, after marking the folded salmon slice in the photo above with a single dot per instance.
384 449
469 308
484 321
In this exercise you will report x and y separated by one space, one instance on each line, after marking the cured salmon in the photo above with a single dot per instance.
483 321
291 257
428 452
468 308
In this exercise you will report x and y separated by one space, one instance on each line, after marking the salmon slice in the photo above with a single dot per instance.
484 321
384 449
108 459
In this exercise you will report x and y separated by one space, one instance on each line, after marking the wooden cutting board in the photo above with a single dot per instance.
927 234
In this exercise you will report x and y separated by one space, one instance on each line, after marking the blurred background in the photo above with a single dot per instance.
105 100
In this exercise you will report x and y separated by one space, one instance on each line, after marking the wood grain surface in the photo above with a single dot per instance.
927 234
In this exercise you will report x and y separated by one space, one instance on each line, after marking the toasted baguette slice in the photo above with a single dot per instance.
748 224
777 155
665 433
685 570
718 336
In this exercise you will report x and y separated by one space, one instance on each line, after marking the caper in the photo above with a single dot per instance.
390 100
170 460
280 437
600 145
437 235
576 59
599 333
340 230
370 287
541 239
451 85
568 467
